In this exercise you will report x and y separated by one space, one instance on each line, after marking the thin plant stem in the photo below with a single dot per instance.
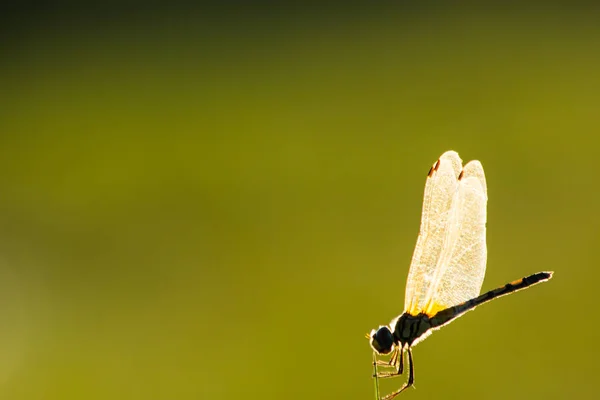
375 376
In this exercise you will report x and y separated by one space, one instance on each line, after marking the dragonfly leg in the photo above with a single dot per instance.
396 362
411 378
401 361
384 363
387 364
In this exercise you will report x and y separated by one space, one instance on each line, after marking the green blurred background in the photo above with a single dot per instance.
218 203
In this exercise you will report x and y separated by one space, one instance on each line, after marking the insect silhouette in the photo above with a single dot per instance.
447 267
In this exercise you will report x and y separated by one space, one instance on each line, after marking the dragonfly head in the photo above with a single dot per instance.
382 340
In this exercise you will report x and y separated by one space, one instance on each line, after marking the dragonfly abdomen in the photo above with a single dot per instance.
445 316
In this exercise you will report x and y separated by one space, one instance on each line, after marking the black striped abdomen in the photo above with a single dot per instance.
449 314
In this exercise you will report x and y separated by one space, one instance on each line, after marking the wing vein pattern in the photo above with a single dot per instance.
448 263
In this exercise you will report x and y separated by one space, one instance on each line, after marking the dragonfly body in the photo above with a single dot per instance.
448 264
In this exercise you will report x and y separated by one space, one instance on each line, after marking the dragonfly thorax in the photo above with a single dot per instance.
409 328
404 330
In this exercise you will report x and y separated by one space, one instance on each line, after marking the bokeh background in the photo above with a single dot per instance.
219 201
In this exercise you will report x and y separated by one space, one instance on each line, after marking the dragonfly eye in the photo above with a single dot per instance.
382 340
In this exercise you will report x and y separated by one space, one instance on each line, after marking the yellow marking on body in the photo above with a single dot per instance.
413 313
517 282
433 309
411 310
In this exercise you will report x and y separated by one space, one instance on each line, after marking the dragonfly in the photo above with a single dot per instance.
447 267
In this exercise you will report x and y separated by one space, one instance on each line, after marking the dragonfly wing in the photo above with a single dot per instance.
461 267
440 190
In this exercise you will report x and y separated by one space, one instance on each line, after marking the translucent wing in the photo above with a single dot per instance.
440 190
461 267
448 264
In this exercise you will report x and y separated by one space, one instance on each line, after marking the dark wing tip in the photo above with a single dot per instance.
434 168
